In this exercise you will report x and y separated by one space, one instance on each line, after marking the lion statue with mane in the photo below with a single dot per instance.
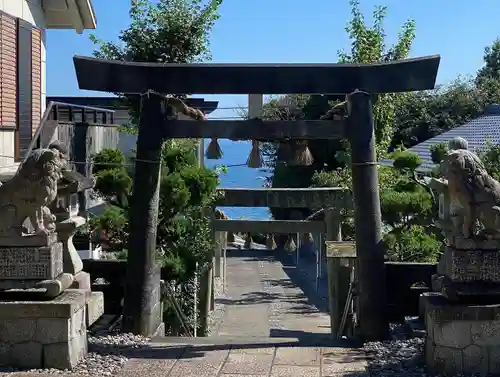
474 192
32 189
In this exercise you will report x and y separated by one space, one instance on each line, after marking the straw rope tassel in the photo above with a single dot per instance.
214 151
255 103
303 156
255 158
290 244
270 242
248 242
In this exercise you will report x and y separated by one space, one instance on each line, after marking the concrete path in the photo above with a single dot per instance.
261 300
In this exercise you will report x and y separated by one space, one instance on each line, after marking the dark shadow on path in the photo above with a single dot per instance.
188 348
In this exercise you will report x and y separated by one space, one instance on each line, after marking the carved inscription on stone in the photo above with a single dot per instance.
477 265
31 263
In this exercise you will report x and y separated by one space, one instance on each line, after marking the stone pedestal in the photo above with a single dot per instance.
45 334
461 339
95 307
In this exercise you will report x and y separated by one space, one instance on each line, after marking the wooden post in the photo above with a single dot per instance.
333 233
367 215
81 158
255 104
205 298
141 265
224 266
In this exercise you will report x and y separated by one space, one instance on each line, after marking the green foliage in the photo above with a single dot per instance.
184 236
438 152
112 179
113 226
491 158
164 31
185 191
405 160
108 158
413 244
369 46
491 59
423 115
401 206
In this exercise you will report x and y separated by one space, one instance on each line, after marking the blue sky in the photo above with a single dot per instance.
268 31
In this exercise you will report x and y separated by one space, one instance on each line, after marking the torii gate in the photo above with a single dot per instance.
357 81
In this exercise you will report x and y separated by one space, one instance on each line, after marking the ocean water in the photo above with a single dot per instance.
236 153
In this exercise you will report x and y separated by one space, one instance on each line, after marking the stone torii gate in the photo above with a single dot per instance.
357 81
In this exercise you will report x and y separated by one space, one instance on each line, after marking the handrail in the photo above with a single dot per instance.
45 118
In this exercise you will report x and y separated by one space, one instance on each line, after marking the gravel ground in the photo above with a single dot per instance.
216 316
401 356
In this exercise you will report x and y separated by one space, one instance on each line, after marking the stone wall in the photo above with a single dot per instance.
462 339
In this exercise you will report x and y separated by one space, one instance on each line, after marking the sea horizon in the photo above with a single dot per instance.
235 155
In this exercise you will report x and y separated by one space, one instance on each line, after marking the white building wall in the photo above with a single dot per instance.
32 12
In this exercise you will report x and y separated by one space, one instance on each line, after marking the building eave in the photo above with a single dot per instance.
116 103
69 14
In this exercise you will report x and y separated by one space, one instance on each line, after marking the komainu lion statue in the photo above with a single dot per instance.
475 191
31 190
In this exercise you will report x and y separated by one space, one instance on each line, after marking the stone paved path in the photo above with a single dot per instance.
261 300
255 359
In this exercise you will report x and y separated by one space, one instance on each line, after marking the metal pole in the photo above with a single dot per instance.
195 303
318 261
367 215
297 253
319 250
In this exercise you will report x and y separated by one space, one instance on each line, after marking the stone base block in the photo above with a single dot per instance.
81 280
95 307
461 339
24 267
44 334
